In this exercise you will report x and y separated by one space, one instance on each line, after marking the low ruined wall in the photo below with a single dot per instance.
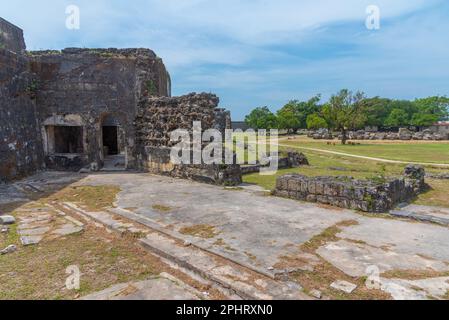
20 143
346 192
11 37
291 160
157 117
158 162
403 134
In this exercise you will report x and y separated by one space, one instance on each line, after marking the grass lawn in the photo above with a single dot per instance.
324 164
330 165
104 258
417 151
437 195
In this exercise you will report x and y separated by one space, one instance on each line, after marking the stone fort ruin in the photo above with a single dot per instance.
80 108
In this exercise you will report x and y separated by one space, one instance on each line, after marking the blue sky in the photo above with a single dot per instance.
262 52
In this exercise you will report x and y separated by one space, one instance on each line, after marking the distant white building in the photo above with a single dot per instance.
441 127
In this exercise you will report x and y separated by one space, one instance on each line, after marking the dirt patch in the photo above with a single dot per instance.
250 256
436 195
221 243
300 261
328 235
162 208
414 274
104 259
201 231
94 198
324 273
446 296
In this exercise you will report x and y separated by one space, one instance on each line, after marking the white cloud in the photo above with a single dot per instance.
261 51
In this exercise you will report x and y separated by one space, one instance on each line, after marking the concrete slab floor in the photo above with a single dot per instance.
260 230
249 227
163 287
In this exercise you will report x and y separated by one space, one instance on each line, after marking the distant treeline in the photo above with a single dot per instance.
346 110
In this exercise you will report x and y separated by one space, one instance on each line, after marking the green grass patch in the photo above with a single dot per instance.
95 198
162 208
413 151
201 231
330 165
325 164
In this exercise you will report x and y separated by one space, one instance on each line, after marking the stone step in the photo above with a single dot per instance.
245 283
231 277
420 217
162 287
199 243
107 219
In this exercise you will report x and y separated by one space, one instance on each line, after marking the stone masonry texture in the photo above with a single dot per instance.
53 98
345 192
157 117
21 150
11 37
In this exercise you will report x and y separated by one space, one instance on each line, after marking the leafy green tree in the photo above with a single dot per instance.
424 119
288 120
306 108
397 118
344 112
430 110
408 106
261 118
293 116
314 122
377 110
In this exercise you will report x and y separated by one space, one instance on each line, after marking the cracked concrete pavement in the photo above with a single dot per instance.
256 230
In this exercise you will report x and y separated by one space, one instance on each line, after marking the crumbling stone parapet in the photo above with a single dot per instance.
374 195
158 117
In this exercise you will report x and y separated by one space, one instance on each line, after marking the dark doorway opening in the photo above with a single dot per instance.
68 139
110 140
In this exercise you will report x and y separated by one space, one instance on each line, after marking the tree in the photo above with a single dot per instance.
306 108
261 118
424 119
287 119
314 122
397 118
293 116
344 112
377 110
430 110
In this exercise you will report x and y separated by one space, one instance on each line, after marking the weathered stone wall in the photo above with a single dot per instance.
403 134
54 105
96 84
11 37
346 192
157 117
222 120
20 144
292 159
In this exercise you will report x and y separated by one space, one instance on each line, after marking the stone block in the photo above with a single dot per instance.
363 195
344 286
7 219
